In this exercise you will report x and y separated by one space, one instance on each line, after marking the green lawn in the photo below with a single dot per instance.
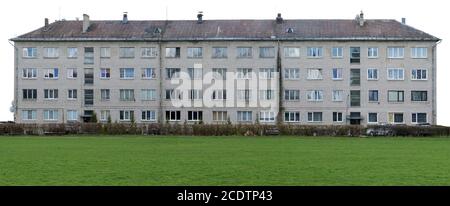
138 160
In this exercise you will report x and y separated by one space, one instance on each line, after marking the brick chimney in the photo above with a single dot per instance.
279 19
125 18
46 22
86 23
200 17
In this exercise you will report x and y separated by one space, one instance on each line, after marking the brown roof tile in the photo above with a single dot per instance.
228 30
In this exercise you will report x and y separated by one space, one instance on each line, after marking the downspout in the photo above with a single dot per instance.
16 80
433 82
280 85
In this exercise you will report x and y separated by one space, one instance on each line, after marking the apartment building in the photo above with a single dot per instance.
356 71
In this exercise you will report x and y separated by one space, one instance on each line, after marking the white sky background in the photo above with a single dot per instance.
19 17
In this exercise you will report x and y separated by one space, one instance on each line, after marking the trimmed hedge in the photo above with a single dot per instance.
214 129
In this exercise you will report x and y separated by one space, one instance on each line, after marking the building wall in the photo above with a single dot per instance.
326 63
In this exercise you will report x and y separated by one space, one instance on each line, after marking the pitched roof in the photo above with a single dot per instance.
227 30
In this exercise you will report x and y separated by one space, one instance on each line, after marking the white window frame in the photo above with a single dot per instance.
244 73
104 114
315 95
244 52
292 73
52 94
125 115
72 94
195 94
337 52
51 52
370 74
50 115
219 73
244 116
292 52
148 115
266 116
148 73
196 116
419 52
195 52
339 73
371 51
292 94
72 115
266 73
177 115
72 52
126 52
267 94
378 95
54 72
29 52
29 73
244 94
195 73
398 100
148 94
124 73
336 94
368 118
396 52
104 72
105 94
292 115
149 52
338 120
127 95
396 74
393 117
312 120
414 74
415 120
266 52
318 75
219 116
29 115
219 53
314 52
105 52
72 73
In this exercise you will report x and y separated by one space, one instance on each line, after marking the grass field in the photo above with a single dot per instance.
137 160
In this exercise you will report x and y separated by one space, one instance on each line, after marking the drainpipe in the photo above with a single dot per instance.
433 82
280 85
16 80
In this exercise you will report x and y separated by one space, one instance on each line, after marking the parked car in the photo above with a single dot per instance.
380 131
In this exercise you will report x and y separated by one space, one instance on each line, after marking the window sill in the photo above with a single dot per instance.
29 57
24 78
149 57
419 80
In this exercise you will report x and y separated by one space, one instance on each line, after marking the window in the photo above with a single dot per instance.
126 73
395 118
266 94
149 52
29 52
105 73
72 94
51 52
419 118
373 95
395 74
419 74
195 73
105 115
173 115
88 97
244 116
72 52
314 74
355 98
127 95
293 73
88 76
372 118
419 52
220 116
194 52
89 55
126 52
337 117
51 73
244 52
219 52
219 94
337 52
148 115
291 52
195 94
419 96
396 96
173 94
105 52
126 115
355 55
72 115
50 94
314 116
148 73
105 94
372 52
195 115
292 116
173 73
266 73
267 116
337 74
173 52
292 95
28 114
50 115
372 74
148 94
314 52
315 95
244 73
355 77
29 94
337 96
29 73
244 95
72 73
396 52
266 52
219 73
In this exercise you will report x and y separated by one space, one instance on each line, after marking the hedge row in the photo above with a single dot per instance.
213 129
